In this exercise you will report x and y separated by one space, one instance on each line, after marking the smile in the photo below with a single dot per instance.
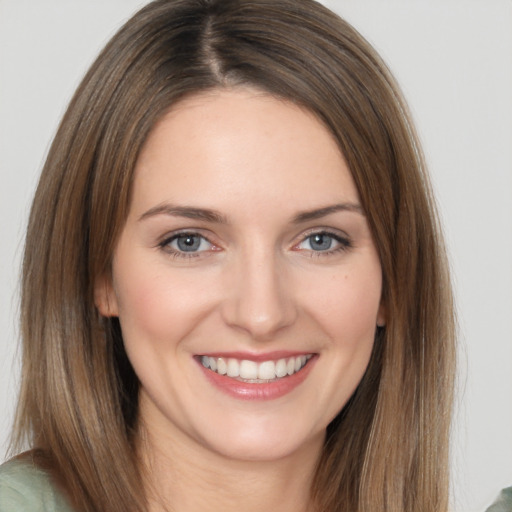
249 371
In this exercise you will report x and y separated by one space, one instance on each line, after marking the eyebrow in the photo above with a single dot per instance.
214 216
188 212
318 213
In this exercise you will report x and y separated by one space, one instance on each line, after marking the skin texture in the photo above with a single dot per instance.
255 285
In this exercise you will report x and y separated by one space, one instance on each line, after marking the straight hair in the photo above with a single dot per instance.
387 450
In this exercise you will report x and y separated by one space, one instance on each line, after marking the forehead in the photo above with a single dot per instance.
241 144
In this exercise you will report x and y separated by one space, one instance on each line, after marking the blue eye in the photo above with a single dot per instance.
320 242
323 242
186 243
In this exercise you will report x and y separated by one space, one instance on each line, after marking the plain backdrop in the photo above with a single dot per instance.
453 59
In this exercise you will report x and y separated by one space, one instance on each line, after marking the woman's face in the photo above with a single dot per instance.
246 280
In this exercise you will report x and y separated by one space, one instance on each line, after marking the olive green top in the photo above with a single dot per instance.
25 488
503 503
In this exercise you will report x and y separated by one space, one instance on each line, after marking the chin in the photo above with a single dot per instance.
262 441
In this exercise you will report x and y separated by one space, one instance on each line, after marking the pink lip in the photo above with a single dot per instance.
257 391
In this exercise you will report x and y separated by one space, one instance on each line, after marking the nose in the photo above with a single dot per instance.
260 298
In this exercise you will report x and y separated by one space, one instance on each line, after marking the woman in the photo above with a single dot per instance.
234 286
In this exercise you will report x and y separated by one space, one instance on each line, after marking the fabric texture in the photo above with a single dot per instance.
503 503
25 488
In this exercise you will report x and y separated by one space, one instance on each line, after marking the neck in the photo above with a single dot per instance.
183 476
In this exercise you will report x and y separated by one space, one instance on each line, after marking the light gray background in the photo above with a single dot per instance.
453 59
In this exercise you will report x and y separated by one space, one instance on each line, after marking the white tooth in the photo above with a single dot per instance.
290 366
222 367
281 369
233 369
213 363
303 360
248 369
297 363
267 370
205 362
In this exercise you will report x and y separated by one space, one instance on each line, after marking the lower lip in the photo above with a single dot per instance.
258 391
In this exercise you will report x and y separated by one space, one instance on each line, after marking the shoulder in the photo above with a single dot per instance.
503 503
26 488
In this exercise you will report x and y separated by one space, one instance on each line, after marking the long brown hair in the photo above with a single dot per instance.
388 448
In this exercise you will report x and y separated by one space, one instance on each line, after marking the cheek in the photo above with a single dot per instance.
157 311
344 306
154 304
347 304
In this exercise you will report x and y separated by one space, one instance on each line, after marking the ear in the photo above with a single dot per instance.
104 297
381 315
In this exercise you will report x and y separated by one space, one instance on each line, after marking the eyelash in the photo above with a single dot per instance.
165 245
344 244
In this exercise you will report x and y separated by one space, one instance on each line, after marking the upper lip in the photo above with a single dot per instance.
257 357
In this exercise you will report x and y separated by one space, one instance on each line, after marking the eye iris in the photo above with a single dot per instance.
320 242
188 243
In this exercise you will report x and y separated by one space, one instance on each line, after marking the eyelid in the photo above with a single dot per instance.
317 230
165 241
343 239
